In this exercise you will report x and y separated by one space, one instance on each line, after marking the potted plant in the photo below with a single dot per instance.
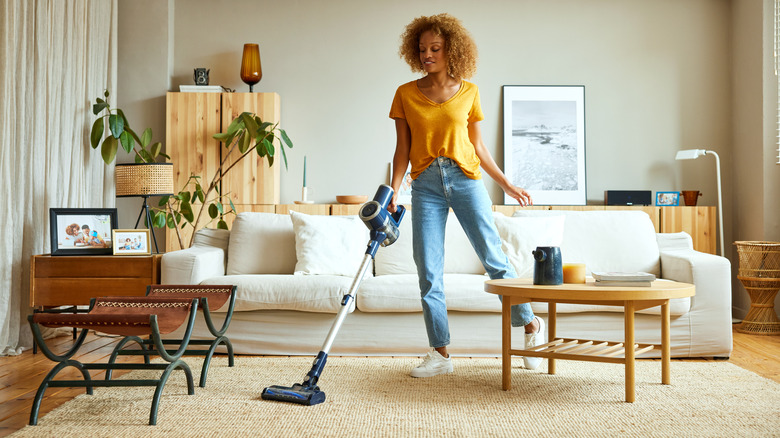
246 134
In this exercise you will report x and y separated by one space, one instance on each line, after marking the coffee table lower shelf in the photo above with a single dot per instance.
582 349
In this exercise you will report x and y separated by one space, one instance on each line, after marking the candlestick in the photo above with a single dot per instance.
304 170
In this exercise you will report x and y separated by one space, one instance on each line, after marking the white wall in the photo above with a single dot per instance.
659 75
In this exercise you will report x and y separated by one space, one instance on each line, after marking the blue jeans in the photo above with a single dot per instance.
441 186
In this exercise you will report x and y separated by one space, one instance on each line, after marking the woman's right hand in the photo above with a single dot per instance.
393 206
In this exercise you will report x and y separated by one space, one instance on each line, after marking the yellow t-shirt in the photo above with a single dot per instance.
439 129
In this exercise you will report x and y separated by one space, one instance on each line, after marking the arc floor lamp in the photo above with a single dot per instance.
692 154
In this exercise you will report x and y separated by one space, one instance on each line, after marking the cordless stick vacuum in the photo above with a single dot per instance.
384 231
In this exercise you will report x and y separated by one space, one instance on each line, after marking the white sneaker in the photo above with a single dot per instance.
532 340
433 365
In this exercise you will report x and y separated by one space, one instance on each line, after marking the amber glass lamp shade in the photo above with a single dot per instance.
251 72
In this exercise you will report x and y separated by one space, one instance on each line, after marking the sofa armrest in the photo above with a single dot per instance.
192 265
711 306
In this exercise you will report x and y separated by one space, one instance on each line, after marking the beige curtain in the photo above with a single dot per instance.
56 57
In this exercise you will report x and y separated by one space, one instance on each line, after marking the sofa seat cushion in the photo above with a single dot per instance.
401 293
307 293
610 241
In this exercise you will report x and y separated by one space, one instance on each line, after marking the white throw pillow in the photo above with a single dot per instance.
521 235
329 245
261 243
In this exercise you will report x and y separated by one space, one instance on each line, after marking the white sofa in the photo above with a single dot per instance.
292 272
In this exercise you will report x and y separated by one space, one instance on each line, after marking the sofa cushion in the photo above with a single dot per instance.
261 243
610 241
307 293
459 255
401 293
521 235
329 245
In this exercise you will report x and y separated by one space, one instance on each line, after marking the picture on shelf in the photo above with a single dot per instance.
81 231
669 199
131 242
544 142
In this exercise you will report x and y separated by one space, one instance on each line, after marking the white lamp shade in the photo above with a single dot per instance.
690 154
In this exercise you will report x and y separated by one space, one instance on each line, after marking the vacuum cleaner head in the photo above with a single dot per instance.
294 394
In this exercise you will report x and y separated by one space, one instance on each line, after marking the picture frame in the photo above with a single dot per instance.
131 242
667 199
405 191
81 231
544 142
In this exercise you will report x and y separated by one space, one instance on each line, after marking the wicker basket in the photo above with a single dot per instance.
759 272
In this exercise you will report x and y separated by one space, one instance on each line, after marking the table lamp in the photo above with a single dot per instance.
144 180
692 154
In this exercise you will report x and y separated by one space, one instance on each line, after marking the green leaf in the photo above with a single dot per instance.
184 197
135 136
222 225
220 207
126 141
284 156
213 212
98 107
269 147
265 125
121 114
186 211
165 155
108 149
235 125
97 133
232 207
138 159
244 145
116 124
155 149
146 156
105 93
146 137
250 123
159 220
201 196
285 138
163 201
260 148
270 161
223 137
169 221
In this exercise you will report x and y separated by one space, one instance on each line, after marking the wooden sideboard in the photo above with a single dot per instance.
191 121
73 280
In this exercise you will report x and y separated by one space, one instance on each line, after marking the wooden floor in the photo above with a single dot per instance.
21 375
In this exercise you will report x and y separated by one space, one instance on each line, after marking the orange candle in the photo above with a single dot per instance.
574 272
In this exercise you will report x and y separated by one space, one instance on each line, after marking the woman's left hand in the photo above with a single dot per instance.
519 194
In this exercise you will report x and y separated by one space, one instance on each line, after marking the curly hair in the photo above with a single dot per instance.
459 47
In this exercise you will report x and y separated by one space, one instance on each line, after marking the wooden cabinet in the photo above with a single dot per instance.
73 280
699 221
191 121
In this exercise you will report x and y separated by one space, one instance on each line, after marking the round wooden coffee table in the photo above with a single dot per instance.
522 290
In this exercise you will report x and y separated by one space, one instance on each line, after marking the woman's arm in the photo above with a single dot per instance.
403 144
492 169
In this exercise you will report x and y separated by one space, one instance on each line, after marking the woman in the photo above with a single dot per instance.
437 120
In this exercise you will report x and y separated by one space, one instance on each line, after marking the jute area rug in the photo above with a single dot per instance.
376 397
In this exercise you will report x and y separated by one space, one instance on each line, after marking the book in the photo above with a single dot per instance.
623 276
200 88
608 283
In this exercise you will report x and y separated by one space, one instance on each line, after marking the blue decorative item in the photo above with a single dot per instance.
548 269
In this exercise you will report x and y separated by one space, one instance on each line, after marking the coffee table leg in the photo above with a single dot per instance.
506 343
629 349
665 344
551 322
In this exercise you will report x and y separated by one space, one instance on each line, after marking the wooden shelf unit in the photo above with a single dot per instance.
72 280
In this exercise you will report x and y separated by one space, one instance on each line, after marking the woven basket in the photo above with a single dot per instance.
144 179
759 272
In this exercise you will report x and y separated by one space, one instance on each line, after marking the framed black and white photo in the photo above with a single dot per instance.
669 199
544 142
81 231
131 242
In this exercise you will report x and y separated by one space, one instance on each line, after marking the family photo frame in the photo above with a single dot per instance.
667 199
544 142
131 242
82 231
